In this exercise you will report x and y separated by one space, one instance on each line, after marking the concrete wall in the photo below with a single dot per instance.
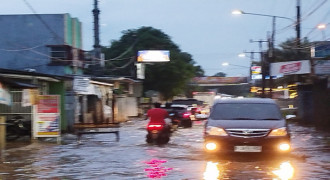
126 107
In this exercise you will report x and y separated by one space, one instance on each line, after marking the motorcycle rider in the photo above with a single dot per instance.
158 115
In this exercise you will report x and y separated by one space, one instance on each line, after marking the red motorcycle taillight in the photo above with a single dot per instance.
186 115
151 127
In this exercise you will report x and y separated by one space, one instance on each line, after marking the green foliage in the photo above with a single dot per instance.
168 78
289 52
220 74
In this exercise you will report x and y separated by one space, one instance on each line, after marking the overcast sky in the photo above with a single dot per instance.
204 28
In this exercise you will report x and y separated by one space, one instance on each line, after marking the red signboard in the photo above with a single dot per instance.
290 68
48 104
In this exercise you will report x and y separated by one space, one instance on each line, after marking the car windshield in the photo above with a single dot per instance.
245 111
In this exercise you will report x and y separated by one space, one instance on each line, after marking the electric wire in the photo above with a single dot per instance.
42 21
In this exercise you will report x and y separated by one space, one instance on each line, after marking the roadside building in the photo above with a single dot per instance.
43 43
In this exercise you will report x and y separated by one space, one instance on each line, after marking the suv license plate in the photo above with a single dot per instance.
247 148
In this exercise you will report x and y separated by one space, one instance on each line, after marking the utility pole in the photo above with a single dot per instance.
298 27
263 67
271 57
97 48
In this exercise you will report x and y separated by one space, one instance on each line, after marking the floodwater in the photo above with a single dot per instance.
100 156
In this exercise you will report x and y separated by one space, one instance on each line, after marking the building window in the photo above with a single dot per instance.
60 54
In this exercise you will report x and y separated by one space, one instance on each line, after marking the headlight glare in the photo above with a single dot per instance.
284 147
279 132
211 146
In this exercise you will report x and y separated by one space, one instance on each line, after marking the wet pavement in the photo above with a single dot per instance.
100 156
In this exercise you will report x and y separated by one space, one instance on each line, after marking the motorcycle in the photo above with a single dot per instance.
16 127
158 133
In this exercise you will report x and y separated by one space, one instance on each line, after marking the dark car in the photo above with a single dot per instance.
180 115
246 125
194 106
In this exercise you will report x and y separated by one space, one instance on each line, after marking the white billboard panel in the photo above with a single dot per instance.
290 67
153 56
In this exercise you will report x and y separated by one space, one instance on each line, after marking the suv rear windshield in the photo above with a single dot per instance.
245 111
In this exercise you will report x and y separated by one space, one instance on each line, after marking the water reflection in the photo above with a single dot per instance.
216 170
212 171
156 170
285 171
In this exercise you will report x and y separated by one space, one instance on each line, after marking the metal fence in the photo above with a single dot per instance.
16 107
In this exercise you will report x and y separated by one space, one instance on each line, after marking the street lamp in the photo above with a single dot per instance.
271 44
229 64
322 27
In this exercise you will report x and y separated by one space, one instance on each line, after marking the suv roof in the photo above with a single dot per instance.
245 100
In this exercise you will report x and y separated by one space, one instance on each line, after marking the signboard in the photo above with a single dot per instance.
48 116
29 97
256 76
81 84
290 67
320 49
322 67
256 70
5 97
140 71
48 125
153 56
219 80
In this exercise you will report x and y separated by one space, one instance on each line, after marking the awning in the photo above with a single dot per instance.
16 84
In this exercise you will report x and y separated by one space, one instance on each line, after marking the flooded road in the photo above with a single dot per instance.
100 156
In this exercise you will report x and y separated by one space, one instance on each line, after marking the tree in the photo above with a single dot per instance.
168 78
289 52
220 74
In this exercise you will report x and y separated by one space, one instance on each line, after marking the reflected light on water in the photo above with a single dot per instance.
156 170
285 171
211 171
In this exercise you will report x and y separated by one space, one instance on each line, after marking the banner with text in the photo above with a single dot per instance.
290 67
48 116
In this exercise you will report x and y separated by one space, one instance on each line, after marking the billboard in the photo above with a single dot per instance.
320 49
219 80
290 67
47 122
153 56
322 67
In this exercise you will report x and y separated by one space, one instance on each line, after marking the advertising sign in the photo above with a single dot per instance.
153 56
322 67
5 97
48 125
48 116
140 71
320 49
290 67
219 80
29 97
256 70
81 84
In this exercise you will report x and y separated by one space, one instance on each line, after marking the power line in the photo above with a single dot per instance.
43 22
